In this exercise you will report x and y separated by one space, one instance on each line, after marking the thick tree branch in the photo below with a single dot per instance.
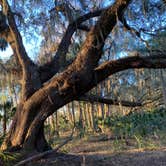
84 28
76 88
108 68
3 68
98 99
124 22
79 77
15 35
30 78
59 61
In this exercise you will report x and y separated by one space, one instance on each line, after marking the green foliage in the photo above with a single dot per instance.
64 123
1 139
137 123
81 129
7 106
8 157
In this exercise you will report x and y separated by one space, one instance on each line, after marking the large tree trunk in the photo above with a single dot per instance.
17 134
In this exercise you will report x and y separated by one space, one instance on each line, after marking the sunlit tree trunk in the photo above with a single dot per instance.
88 108
102 105
57 124
73 113
85 115
81 120
52 124
4 121
163 84
93 117
69 113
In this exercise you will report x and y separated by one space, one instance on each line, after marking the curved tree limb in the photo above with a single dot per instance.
108 68
82 69
99 74
59 61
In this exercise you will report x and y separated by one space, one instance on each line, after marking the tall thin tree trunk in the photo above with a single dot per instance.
85 115
81 121
69 113
52 123
89 115
4 121
93 117
57 125
102 105
163 84
108 92
73 113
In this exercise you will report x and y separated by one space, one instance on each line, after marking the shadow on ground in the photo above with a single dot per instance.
146 158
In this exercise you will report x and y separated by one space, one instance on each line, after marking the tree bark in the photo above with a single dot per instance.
17 133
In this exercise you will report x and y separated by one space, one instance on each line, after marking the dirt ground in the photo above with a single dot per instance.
136 158
147 158
98 152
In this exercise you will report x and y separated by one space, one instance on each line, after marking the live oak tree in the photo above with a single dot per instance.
43 91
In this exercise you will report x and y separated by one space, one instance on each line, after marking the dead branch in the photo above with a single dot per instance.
99 99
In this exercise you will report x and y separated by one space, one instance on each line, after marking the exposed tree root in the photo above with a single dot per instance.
41 155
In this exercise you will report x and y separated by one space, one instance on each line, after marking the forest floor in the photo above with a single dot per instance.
98 152
139 158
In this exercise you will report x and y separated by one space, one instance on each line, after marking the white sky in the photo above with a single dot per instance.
6 54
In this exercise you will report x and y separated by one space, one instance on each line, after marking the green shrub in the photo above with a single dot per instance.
136 123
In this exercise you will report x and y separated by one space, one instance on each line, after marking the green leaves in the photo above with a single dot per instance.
8 157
